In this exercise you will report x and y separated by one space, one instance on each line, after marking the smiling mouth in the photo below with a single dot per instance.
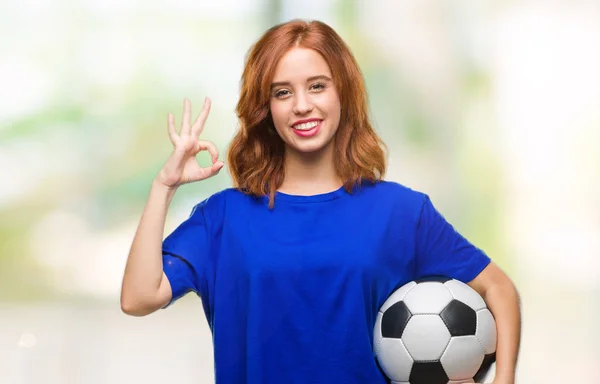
306 126
309 129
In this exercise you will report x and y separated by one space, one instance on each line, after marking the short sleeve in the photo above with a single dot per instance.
186 254
442 251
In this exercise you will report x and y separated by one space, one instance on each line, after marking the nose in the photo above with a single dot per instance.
303 104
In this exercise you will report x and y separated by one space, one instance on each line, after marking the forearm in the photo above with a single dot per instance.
144 269
503 301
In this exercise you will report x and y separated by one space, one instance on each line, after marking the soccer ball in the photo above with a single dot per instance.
435 331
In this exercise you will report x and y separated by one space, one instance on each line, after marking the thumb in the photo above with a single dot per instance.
216 167
207 172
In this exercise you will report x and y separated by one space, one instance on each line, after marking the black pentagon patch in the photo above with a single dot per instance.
483 371
428 373
460 319
394 320
439 279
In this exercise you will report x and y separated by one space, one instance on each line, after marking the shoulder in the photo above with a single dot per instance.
392 191
393 199
218 203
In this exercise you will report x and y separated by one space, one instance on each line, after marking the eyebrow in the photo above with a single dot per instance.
312 78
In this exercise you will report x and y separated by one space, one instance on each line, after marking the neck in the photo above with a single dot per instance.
310 174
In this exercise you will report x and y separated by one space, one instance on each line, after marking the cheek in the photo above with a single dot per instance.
335 110
334 105
278 114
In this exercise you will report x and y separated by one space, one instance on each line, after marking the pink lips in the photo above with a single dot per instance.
310 132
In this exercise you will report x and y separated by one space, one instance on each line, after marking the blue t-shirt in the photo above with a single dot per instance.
291 294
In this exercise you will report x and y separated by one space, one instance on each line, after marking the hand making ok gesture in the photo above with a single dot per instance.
182 165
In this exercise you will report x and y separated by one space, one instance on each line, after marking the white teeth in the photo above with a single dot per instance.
306 126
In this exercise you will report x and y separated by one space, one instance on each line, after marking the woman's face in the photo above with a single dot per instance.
304 102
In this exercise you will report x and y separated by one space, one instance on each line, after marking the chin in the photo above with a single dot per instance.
307 148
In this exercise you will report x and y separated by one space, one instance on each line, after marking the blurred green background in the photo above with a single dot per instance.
490 107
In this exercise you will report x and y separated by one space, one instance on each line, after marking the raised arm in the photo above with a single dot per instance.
145 287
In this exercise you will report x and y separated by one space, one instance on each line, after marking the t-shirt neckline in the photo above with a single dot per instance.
281 196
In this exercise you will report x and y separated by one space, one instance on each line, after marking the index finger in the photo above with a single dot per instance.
199 123
210 147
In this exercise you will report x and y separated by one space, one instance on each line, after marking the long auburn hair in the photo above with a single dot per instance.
256 153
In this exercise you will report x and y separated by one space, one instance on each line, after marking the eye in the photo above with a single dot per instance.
318 86
281 93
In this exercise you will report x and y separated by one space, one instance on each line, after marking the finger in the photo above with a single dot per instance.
216 167
199 123
187 111
207 172
210 147
171 129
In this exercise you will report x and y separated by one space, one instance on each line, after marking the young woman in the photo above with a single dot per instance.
293 263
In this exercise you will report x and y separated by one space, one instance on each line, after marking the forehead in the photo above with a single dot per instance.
300 63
